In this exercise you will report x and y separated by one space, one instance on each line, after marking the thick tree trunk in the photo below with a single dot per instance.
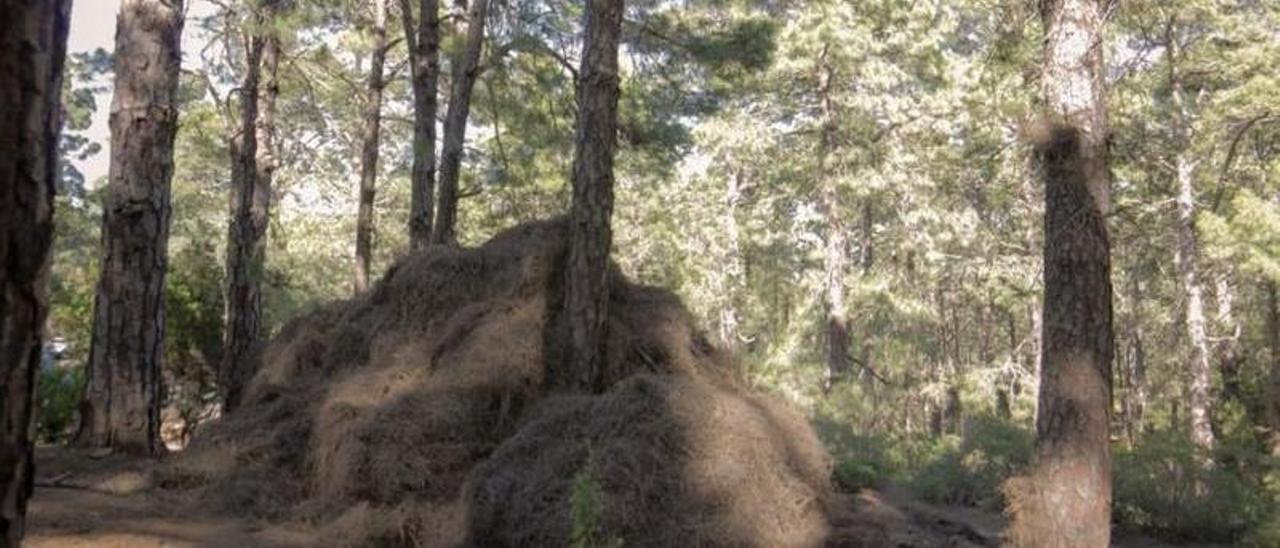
586 284
370 135
835 262
32 48
1066 499
424 65
253 166
121 406
466 69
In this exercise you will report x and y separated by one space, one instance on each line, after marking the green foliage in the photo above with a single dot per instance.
586 509
58 392
971 470
1163 487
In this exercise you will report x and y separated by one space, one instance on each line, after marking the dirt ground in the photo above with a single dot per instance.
108 501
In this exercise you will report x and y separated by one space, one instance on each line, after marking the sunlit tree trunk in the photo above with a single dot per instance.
424 64
1065 501
1228 347
32 48
835 262
1186 261
466 69
586 283
121 406
370 135
253 154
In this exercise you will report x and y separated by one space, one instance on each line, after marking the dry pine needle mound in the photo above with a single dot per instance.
419 414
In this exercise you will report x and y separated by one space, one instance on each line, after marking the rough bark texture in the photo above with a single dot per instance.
121 406
835 263
253 166
32 48
424 64
586 286
465 70
370 136
1066 498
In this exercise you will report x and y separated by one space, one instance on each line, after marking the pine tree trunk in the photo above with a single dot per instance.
32 48
835 263
424 65
1186 256
121 406
1066 499
370 135
253 166
586 284
465 71
1229 357
1273 387
733 277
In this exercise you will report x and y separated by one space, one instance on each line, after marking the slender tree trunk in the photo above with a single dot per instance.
1066 499
370 135
732 278
465 71
121 406
1229 356
424 65
586 284
32 48
1186 259
253 167
835 262
1135 404
1273 387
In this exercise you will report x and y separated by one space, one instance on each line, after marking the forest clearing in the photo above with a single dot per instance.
610 273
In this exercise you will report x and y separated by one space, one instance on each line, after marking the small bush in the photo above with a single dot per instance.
970 471
1162 488
586 506
58 392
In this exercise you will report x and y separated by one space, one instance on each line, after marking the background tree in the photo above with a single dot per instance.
370 134
423 45
121 407
31 62
253 165
466 68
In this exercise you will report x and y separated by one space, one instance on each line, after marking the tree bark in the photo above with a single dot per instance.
733 278
1186 261
465 71
370 136
1273 387
424 65
253 154
32 50
1066 499
586 284
121 406
835 263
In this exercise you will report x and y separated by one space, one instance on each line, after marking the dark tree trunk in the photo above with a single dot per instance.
835 262
32 48
466 69
1273 387
586 284
253 167
1066 500
121 406
424 65
370 135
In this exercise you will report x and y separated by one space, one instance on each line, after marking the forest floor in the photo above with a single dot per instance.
104 500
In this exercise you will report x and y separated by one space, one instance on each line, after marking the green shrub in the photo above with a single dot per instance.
1162 488
970 471
58 392
586 509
